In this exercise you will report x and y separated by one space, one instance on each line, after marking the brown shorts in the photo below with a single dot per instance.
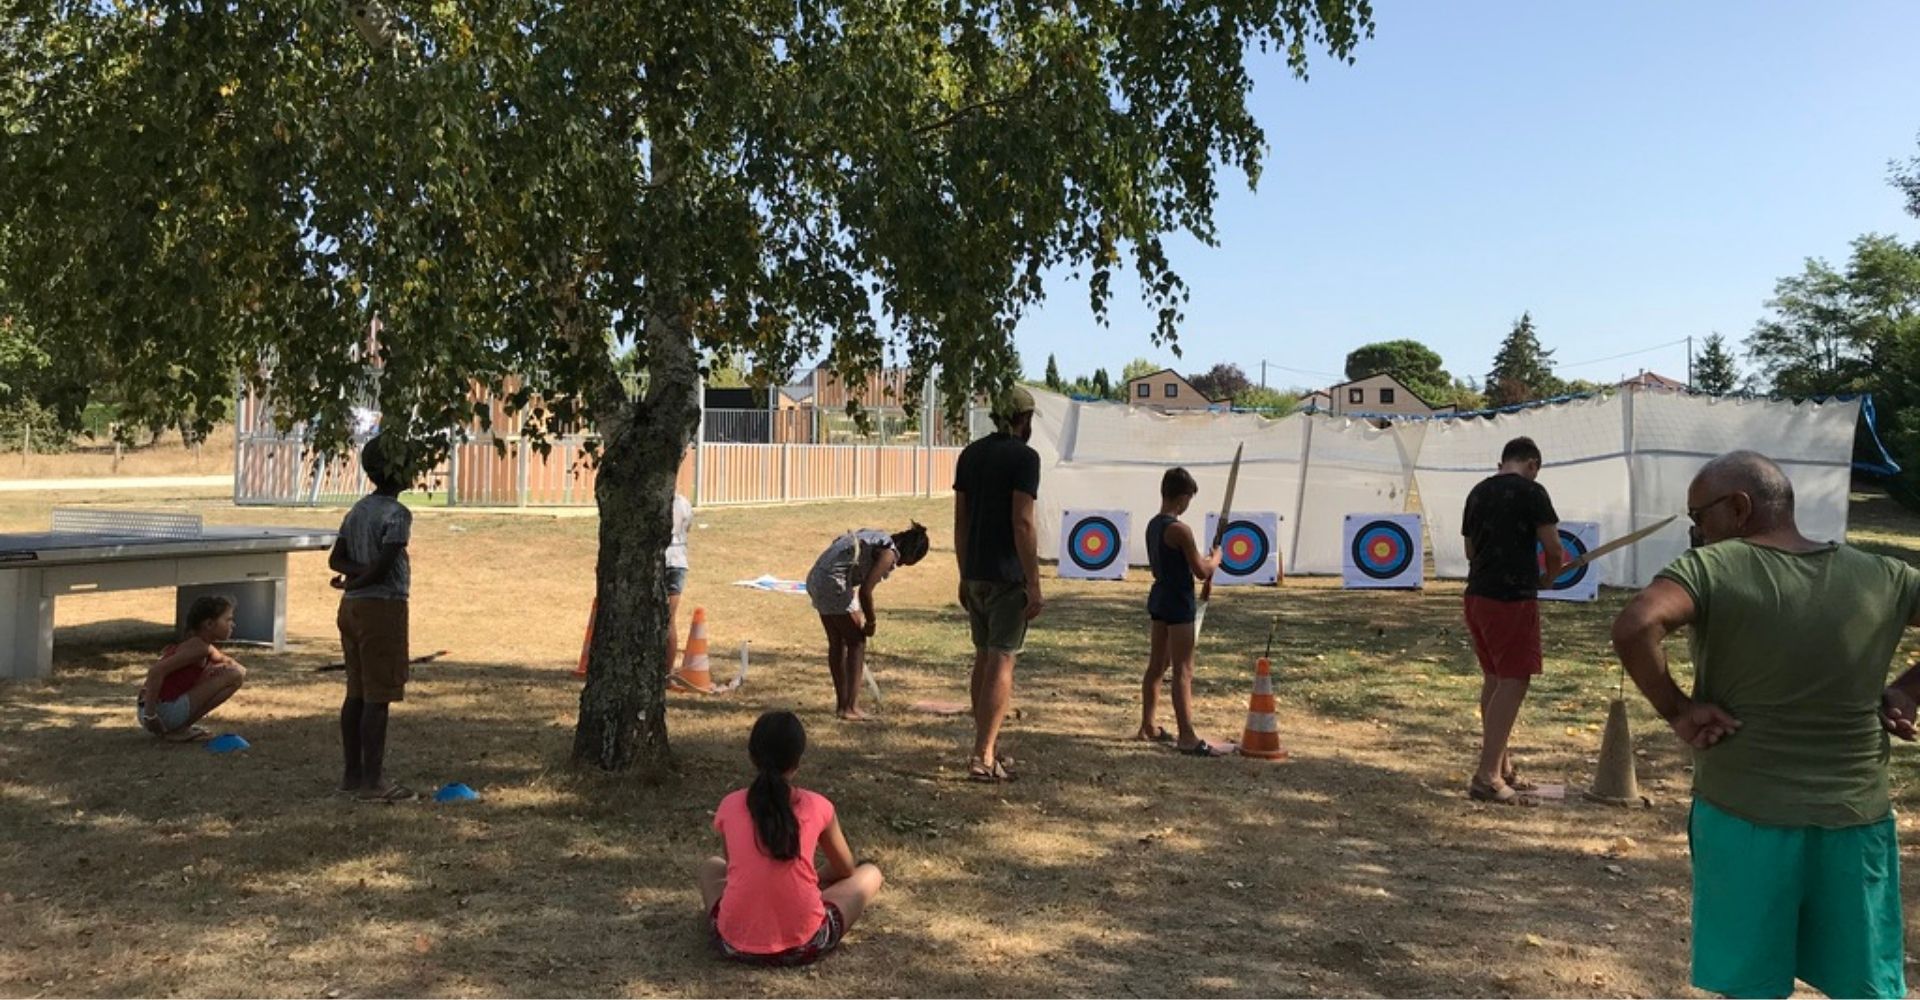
997 616
373 633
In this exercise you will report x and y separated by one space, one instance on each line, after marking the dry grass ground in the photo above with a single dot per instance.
88 458
1109 868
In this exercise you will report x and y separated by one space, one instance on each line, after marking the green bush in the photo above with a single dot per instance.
28 424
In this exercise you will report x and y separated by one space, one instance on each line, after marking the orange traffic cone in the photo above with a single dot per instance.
586 645
694 674
1262 736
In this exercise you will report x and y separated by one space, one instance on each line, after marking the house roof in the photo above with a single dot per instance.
1389 376
1654 380
1183 381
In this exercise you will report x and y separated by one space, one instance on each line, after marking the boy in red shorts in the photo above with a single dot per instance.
1508 518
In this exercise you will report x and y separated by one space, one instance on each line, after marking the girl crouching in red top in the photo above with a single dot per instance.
765 901
193 677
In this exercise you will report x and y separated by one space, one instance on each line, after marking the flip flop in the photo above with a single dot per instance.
388 795
1160 735
1200 749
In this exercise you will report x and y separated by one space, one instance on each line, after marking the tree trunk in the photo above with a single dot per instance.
623 708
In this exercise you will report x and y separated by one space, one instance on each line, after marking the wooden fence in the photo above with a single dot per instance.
284 472
498 468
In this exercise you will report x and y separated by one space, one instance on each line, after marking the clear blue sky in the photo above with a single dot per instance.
1632 173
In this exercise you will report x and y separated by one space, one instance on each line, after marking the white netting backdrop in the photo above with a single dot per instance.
1623 461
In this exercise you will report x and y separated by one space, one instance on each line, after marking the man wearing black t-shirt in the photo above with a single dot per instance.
1513 547
995 485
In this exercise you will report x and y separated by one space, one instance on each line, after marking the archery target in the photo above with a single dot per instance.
1582 584
1383 551
1250 554
1093 544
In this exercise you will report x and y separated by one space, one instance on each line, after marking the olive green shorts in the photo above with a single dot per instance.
997 613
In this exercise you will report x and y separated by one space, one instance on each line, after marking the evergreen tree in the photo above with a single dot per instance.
1102 385
1053 374
1522 370
1714 370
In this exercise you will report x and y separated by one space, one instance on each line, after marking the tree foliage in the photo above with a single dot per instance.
1522 369
1417 366
1267 402
514 191
1053 375
1715 370
1222 382
1906 177
1102 385
1137 368
1808 345
1857 330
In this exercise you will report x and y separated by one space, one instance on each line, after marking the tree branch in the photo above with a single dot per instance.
1004 100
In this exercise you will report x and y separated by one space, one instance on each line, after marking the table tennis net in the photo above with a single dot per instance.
125 523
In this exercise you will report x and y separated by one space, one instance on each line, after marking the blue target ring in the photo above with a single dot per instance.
1575 548
1383 550
1245 549
1094 544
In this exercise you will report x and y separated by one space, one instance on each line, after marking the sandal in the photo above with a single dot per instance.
1160 735
1518 784
1201 749
1480 791
991 775
191 734
388 795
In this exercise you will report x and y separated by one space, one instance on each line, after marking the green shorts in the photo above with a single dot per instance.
1773 903
997 613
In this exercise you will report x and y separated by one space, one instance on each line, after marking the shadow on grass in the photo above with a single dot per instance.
1109 868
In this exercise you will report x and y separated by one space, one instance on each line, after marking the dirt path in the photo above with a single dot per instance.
91 483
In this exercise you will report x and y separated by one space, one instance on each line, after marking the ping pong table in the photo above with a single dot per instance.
94 551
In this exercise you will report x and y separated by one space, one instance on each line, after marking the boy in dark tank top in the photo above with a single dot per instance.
1177 564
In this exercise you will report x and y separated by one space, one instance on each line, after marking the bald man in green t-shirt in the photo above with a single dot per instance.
1796 867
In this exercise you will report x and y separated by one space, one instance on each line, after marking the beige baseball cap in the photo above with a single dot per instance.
1013 403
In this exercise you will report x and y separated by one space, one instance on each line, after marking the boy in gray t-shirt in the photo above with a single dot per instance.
370 557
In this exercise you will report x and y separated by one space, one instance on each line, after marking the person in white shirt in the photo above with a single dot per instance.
677 573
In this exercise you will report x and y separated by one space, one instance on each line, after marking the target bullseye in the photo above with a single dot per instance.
1092 544
1383 550
1575 548
1583 583
1248 555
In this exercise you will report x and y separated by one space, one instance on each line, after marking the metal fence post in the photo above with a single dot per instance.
699 440
521 471
453 475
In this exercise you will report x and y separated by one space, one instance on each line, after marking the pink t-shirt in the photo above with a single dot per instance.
770 906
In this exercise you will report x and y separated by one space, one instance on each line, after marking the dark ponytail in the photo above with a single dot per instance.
911 544
777 742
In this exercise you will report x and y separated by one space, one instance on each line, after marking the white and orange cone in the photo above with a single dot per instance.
1262 736
694 673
